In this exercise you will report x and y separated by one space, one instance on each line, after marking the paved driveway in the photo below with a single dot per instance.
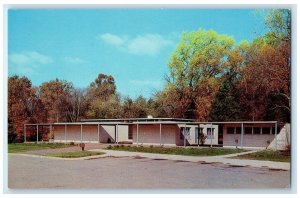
136 173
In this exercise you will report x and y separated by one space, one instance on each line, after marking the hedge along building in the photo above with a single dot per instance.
163 131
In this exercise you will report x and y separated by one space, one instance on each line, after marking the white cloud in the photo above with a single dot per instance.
29 57
28 61
74 60
147 44
112 39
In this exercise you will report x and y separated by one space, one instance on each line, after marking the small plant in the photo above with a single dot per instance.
151 146
202 138
72 143
109 147
117 146
129 146
122 146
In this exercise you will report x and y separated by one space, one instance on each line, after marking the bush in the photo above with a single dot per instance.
117 146
151 146
109 147
122 146
72 143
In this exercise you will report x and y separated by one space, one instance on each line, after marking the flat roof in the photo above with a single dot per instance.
138 119
152 122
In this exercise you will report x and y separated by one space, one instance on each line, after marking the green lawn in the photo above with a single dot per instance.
76 154
178 151
21 147
268 155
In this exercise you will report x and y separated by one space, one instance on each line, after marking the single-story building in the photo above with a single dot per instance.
162 131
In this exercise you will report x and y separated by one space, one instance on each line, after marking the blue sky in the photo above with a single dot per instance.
131 45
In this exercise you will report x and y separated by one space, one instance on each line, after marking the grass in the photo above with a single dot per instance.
76 154
179 151
22 147
267 155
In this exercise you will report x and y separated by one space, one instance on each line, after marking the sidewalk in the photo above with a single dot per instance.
202 159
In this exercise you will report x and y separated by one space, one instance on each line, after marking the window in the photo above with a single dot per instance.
210 134
256 130
230 130
265 130
186 132
248 130
238 130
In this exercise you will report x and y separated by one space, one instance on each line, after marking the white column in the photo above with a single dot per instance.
276 135
81 133
137 134
65 133
211 129
24 133
98 133
117 134
198 133
242 134
184 133
50 134
160 134
37 133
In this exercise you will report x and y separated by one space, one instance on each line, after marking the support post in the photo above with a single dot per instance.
65 133
50 134
37 133
160 134
198 133
184 133
117 134
98 131
81 133
276 135
242 134
211 132
137 134
24 133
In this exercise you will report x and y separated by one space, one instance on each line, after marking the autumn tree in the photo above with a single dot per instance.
195 69
267 73
77 105
23 106
55 96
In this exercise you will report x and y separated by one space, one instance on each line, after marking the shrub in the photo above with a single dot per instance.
109 147
117 146
122 146
151 146
202 138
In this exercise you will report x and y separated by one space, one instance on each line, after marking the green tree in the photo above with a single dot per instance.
226 105
103 87
195 67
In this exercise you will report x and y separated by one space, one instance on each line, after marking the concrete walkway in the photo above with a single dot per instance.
224 159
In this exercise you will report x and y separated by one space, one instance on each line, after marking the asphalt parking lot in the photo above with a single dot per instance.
26 172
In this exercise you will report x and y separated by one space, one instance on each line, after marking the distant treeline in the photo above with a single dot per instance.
211 78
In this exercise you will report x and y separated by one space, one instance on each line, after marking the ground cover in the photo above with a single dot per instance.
178 150
24 147
269 155
76 154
